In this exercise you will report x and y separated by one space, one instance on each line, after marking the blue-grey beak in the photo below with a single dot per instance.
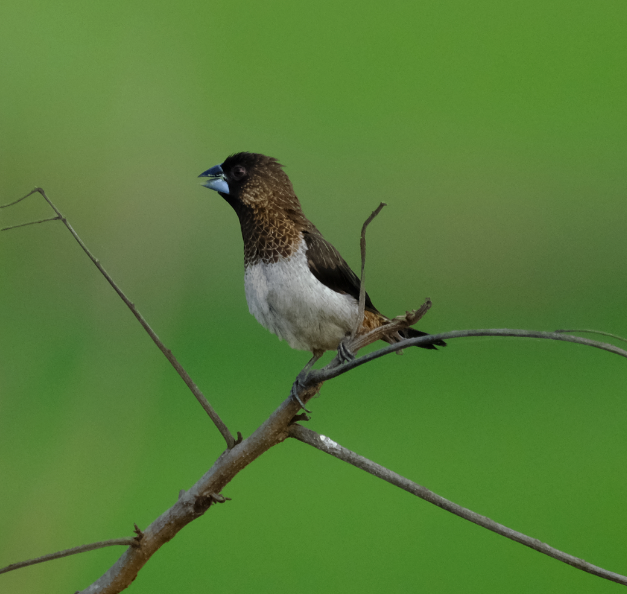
216 179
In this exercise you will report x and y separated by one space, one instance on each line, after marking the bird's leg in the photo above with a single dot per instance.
299 384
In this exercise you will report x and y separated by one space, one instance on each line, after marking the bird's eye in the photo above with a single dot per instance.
238 172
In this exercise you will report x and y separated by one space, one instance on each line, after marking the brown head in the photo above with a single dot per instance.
262 195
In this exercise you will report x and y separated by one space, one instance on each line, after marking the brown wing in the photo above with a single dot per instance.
328 266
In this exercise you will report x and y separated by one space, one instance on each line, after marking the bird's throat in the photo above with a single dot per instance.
268 236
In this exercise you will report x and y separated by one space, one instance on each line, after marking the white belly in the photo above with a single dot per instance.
289 301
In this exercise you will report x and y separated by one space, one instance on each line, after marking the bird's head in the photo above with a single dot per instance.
250 179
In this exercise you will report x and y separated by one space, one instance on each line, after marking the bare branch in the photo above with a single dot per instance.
194 503
230 441
329 446
333 369
129 542
596 332
362 284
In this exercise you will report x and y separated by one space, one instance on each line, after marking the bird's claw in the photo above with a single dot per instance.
298 385
344 354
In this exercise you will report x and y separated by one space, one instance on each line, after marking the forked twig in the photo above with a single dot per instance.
358 341
398 323
230 441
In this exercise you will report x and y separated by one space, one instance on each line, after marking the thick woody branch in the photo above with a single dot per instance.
195 502
230 441
191 504
329 446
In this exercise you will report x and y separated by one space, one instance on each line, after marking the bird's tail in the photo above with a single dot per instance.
411 333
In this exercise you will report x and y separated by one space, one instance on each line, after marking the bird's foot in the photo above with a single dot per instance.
344 354
301 379
297 386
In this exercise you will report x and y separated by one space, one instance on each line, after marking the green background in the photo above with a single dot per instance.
497 134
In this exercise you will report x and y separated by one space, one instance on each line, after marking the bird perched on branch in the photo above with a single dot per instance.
297 284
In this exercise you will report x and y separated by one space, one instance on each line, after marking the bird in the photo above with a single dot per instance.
297 284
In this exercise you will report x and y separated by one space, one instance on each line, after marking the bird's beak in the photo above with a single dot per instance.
216 179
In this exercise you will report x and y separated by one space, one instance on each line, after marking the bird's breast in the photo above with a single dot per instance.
289 301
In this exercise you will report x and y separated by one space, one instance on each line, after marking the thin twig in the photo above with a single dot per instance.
362 284
329 446
398 323
129 542
31 223
230 441
332 370
33 191
597 332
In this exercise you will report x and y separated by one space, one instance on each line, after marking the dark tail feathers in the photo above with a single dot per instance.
411 333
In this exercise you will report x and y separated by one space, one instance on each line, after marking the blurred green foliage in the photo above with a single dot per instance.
497 134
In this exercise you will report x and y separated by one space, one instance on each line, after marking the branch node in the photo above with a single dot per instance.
139 534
